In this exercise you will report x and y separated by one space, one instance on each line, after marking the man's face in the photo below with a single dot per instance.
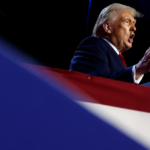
123 29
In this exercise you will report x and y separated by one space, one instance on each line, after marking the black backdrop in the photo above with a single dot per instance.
49 31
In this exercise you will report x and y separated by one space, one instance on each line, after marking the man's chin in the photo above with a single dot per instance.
128 46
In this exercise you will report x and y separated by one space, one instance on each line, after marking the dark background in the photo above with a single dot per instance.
50 31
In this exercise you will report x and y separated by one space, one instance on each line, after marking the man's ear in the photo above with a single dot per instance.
107 27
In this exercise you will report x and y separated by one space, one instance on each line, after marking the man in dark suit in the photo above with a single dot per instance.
113 33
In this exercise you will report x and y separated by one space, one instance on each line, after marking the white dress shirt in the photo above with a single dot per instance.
133 68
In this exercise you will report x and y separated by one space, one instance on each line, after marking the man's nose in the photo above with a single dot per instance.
133 28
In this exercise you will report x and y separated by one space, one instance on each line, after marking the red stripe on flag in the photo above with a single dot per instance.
104 91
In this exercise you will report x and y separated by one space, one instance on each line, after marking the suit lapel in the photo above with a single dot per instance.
114 54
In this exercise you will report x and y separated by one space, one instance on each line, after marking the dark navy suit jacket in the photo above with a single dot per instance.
94 56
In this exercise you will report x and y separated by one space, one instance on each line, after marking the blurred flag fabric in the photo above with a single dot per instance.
51 109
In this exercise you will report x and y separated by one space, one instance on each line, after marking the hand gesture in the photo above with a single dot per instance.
143 66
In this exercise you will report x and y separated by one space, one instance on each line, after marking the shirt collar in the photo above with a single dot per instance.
114 48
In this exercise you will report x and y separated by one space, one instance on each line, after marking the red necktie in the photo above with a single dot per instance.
122 58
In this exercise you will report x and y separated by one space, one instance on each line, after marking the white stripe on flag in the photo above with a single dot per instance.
135 124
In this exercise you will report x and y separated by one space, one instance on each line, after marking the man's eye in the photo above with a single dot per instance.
127 21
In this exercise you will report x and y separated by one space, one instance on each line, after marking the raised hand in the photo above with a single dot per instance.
143 66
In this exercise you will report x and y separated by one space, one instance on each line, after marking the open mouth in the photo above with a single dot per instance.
131 38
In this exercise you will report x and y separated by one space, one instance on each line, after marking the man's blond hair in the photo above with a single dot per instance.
110 13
